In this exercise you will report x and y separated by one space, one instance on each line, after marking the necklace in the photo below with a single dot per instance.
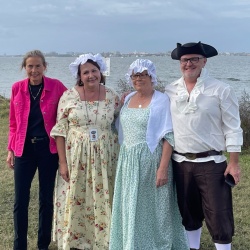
34 97
87 107
140 104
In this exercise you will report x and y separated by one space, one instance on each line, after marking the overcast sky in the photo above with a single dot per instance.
122 25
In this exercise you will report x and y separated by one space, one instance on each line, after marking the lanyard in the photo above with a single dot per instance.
86 103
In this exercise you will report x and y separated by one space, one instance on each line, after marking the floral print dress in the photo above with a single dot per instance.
82 210
144 217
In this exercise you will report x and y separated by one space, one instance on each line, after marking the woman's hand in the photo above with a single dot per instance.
162 172
64 171
161 177
63 167
10 159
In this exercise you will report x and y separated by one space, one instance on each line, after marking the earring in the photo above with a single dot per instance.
81 83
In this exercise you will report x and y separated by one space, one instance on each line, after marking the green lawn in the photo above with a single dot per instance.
241 195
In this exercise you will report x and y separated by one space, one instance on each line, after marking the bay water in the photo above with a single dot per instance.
232 69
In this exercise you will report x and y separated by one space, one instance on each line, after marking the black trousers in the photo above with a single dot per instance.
35 156
203 193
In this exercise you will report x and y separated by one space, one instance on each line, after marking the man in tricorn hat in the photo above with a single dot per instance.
206 122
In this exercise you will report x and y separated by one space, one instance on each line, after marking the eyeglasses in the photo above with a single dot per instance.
141 76
191 60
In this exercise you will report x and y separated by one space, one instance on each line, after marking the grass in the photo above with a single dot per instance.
241 201
7 192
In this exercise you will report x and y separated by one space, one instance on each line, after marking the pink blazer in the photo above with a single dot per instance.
20 108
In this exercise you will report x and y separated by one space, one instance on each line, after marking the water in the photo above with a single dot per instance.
234 70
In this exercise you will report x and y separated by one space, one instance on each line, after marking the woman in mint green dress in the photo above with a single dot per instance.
145 213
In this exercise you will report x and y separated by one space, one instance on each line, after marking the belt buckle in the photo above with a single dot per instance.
190 156
33 140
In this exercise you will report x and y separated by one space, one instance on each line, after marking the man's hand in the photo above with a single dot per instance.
233 167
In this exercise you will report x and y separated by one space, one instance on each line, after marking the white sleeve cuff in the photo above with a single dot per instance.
232 148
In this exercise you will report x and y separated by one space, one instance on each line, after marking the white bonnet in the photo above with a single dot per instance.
140 65
73 67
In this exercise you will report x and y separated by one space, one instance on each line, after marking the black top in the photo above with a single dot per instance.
35 122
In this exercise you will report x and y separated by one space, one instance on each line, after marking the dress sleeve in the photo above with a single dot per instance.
117 108
62 123
170 138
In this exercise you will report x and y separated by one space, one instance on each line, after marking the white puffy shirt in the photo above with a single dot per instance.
206 119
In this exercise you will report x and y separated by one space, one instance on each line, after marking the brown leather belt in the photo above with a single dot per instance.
193 156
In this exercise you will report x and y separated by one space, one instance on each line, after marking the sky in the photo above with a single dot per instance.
122 25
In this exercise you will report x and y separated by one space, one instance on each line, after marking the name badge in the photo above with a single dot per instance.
93 136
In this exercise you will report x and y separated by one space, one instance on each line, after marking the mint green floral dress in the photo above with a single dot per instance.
143 217
82 210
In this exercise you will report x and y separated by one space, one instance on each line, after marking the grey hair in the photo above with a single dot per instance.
33 53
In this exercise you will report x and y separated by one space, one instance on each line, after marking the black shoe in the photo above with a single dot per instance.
193 249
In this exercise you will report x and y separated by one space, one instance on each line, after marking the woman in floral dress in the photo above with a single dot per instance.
88 151
145 213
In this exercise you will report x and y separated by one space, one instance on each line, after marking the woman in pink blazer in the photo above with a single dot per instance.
33 109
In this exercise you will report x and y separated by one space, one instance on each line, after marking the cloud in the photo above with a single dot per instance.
119 25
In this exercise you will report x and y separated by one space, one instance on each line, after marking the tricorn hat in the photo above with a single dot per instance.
193 48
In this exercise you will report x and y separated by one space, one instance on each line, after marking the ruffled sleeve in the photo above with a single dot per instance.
62 125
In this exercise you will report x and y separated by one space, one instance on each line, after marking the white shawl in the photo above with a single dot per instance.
159 122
